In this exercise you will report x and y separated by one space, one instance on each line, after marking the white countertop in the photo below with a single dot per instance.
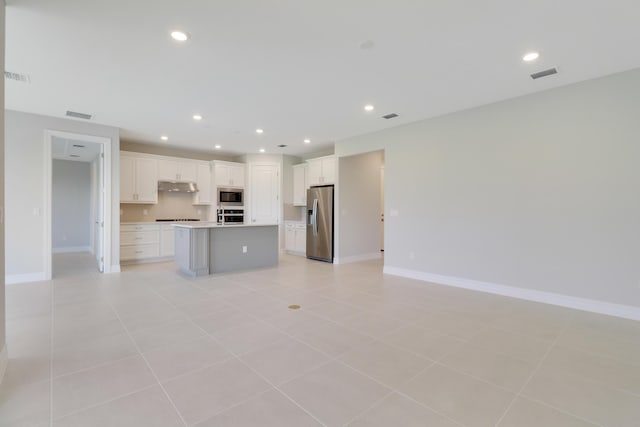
209 224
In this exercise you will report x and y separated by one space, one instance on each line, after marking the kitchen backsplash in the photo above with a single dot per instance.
293 213
170 205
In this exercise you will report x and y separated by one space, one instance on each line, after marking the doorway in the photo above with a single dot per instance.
77 200
359 212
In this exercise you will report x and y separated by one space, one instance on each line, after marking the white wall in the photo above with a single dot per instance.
3 349
537 193
24 151
71 205
359 206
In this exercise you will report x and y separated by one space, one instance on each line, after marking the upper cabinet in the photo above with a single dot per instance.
229 174
204 196
138 179
321 171
300 185
177 170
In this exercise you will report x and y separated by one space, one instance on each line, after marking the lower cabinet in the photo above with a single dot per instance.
146 242
295 238
167 240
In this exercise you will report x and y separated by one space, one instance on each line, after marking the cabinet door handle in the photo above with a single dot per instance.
138 238
138 252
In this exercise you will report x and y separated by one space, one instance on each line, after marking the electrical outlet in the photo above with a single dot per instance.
145 211
394 212
199 211
244 249
121 212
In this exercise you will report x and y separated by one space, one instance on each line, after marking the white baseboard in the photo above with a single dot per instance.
10 279
595 306
357 258
4 361
115 269
70 249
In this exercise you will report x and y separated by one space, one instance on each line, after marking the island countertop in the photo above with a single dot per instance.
213 224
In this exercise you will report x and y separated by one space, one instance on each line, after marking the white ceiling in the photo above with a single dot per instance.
70 149
295 68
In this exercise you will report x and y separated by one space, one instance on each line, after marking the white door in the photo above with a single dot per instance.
265 193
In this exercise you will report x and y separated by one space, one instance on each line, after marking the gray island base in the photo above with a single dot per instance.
208 248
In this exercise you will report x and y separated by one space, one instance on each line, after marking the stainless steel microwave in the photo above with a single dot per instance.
230 196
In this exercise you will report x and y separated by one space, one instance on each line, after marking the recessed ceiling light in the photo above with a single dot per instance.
259 131
262 150
164 137
218 147
197 117
368 108
180 36
531 56
307 141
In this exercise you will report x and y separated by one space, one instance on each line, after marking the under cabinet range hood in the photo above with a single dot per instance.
178 187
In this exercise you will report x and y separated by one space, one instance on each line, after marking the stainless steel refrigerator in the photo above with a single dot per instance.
320 223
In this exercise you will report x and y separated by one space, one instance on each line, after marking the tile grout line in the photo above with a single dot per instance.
148 365
532 374
104 402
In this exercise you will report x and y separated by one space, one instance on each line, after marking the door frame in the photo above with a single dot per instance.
48 183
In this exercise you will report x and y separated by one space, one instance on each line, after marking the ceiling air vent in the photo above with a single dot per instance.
78 146
282 145
24 78
79 115
545 73
390 116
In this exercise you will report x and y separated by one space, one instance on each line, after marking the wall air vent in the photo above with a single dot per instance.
73 155
390 116
545 73
78 146
24 78
79 115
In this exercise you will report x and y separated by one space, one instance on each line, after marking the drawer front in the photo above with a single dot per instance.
139 227
139 252
139 237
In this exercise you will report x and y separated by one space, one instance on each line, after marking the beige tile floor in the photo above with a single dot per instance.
148 347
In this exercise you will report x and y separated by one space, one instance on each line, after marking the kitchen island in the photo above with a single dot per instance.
208 248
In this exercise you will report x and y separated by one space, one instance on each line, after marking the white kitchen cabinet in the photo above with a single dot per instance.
295 237
177 170
264 193
139 241
204 196
167 240
300 185
321 171
289 236
229 174
138 180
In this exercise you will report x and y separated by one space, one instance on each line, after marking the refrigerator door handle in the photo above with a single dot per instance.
315 217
